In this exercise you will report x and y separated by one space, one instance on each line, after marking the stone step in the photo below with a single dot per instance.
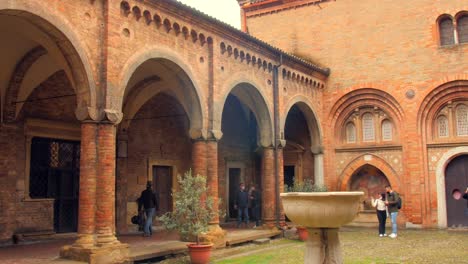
261 241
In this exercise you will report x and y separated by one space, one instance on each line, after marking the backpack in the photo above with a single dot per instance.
399 202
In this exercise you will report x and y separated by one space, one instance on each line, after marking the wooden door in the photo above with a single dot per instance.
162 184
234 180
456 180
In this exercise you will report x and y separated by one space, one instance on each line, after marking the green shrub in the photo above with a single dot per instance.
305 186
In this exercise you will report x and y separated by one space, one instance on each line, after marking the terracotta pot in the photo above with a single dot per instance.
200 254
302 233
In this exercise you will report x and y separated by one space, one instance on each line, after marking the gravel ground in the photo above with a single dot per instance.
360 246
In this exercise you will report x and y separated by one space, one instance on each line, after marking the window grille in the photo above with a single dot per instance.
443 125
387 130
462 29
350 133
446 32
462 120
368 127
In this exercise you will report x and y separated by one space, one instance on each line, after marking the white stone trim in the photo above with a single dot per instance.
440 182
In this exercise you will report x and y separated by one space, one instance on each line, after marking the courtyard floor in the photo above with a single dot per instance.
359 246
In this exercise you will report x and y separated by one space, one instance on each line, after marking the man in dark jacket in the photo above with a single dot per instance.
149 204
392 205
241 204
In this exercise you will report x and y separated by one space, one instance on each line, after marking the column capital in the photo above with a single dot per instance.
86 113
197 134
281 143
215 135
317 149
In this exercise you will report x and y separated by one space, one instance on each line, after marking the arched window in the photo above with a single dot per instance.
462 29
350 133
446 32
387 130
442 126
462 120
368 127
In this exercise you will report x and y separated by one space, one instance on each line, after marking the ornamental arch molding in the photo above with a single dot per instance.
64 46
313 121
192 103
436 99
257 103
368 159
364 97
440 182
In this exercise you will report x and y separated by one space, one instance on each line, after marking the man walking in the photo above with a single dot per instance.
241 204
149 203
392 205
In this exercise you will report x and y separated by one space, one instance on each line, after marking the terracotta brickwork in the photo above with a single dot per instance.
387 57
150 82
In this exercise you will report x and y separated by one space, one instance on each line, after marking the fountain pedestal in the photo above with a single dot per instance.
322 213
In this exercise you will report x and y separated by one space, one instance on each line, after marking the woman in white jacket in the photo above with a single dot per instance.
381 208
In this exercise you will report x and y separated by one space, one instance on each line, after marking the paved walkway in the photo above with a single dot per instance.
160 244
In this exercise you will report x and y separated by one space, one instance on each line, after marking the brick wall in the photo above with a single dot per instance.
392 47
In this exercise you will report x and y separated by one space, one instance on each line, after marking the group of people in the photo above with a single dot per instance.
245 201
386 205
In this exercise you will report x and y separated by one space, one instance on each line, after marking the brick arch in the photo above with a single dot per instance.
197 98
61 40
11 95
446 158
261 109
346 104
369 159
436 99
313 120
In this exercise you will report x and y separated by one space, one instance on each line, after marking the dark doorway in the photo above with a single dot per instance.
55 174
369 180
289 176
162 184
456 181
234 180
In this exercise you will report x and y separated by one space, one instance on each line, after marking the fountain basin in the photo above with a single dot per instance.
321 209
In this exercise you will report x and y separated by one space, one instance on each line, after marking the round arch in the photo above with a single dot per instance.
369 159
193 103
247 89
63 38
313 122
347 103
440 182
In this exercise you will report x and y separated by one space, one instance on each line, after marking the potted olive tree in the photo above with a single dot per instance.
191 215
304 186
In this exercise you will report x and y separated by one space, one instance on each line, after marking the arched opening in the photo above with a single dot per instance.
369 180
43 80
245 124
298 156
154 142
456 182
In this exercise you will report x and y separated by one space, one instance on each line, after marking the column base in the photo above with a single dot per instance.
116 253
215 235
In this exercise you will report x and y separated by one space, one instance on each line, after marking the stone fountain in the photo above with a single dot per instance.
322 213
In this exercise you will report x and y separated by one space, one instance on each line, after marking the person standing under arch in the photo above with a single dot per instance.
381 209
392 205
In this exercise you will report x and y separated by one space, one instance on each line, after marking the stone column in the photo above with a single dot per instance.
199 157
280 160
216 234
105 187
87 192
96 241
318 165
268 187
212 175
